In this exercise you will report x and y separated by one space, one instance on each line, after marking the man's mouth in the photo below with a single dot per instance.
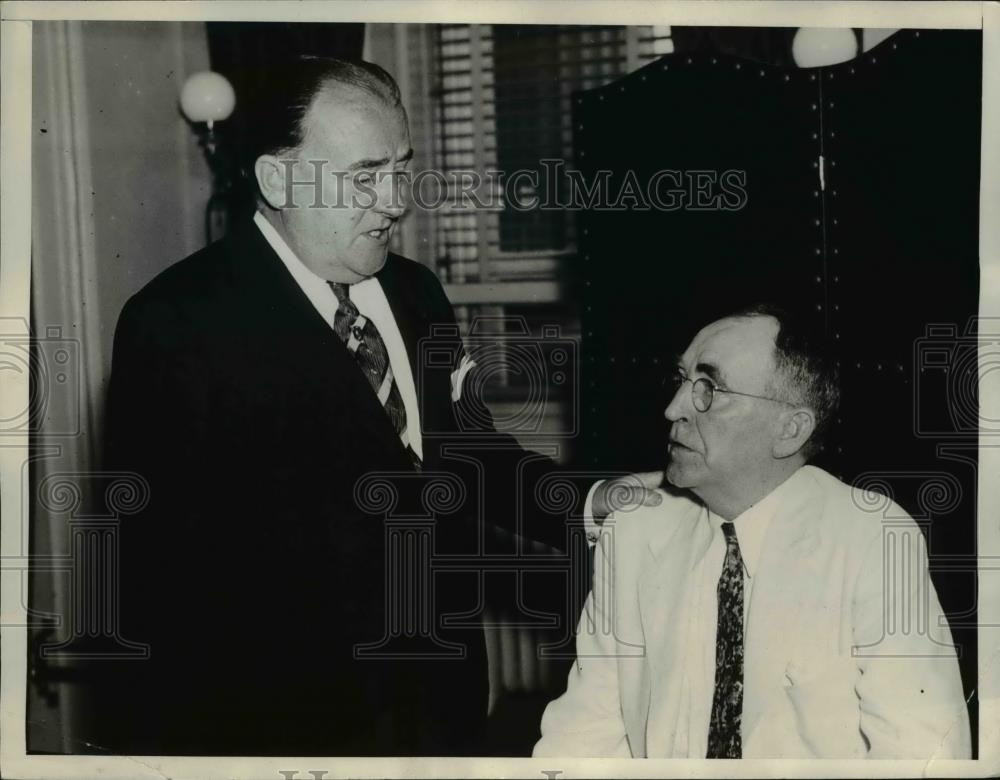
380 234
674 444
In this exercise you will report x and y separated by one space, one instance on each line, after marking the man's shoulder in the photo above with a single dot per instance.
183 280
676 517
200 284
855 512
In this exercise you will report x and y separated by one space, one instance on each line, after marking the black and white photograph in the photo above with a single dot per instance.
500 389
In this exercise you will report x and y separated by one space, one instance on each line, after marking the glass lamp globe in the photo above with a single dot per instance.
207 97
816 47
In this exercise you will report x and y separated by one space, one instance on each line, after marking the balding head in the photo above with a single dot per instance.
741 422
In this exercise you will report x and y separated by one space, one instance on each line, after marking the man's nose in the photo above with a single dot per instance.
678 408
391 195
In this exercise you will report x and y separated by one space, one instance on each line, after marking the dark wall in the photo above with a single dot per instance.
880 255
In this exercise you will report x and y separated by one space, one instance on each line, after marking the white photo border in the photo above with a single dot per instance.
15 275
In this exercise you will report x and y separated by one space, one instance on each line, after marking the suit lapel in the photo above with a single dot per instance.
288 319
785 586
663 589
412 326
413 309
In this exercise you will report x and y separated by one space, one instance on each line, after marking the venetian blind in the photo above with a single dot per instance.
503 105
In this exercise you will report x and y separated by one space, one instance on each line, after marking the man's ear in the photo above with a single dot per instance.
270 175
796 428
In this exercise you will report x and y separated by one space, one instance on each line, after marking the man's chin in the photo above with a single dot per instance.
677 475
367 267
373 265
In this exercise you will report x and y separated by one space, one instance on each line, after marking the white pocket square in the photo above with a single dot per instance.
458 377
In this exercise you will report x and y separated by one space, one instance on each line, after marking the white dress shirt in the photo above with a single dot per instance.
370 299
701 614
700 619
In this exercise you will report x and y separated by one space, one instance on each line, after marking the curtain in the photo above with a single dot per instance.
64 292
118 189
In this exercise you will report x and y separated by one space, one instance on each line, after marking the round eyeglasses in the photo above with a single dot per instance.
703 392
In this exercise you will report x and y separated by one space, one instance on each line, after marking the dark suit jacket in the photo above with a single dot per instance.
253 573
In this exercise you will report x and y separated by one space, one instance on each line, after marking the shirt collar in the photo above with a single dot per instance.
752 524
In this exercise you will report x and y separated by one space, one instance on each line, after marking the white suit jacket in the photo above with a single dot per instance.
846 654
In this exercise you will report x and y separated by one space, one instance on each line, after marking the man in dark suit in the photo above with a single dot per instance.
256 385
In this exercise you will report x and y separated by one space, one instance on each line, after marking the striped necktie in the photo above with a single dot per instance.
724 738
365 344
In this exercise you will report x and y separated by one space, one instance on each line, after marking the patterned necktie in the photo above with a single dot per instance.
724 740
364 342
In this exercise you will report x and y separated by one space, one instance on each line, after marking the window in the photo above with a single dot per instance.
503 105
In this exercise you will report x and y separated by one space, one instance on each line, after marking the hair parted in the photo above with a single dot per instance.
805 371
277 119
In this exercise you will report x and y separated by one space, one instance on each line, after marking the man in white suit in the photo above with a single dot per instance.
756 611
